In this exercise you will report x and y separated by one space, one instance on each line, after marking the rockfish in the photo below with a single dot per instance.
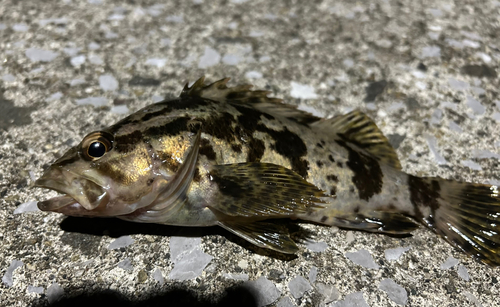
233 157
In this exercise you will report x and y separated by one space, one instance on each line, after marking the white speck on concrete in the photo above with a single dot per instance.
238 1
121 109
285 302
471 35
306 108
396 106
40 55
54 293
8 78
303 91
243 277
253 74
478 90
431 52
30 206
54 97
126 265
463 273
475 105
448 105
116 17
95 101
435 12
158 276
348 63
432 143
157 98
8 276
75 82
20 27
449 263
396 293
78 60
471 44
120 242
393 254
455 127
363 258
315 246
243 264
264 59
458 85
231 59
188 258
165 42
472 298
419 74
33 289
93 46
484 154
158 62
2 26
209 58
71 51
483 56
108 82
355 299
175 18
95 59
349 237
436 116
263 290
313 273
329 292
472 165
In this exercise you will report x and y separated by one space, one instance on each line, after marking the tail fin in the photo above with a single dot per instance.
467 215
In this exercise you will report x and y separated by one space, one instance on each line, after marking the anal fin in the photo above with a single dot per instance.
263 234
391 223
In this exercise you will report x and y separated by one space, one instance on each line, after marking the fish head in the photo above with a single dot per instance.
104 175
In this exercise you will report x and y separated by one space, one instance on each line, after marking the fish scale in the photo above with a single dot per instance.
233 157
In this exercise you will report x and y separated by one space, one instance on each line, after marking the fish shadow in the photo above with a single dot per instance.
115 228
175 297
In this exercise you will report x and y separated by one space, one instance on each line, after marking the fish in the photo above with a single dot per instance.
236 158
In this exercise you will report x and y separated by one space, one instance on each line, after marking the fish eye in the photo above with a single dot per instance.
96 149
96 145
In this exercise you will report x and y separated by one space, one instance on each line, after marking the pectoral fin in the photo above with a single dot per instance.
263 234
262 190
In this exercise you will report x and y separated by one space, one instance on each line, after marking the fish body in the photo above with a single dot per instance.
236 158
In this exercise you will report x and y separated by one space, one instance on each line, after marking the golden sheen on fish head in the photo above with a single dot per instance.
115 171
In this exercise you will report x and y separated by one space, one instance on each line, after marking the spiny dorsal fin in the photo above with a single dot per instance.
357 128
219 91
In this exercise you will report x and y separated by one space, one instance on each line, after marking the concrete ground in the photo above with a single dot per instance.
425 71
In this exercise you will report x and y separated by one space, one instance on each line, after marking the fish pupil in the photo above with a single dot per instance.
97 149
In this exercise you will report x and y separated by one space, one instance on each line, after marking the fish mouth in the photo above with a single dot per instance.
81 196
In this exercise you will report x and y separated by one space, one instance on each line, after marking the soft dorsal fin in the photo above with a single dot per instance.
242 94
357 128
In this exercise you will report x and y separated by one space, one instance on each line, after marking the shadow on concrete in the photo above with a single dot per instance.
115 228
177 297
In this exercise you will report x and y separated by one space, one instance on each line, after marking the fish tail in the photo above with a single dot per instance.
467 215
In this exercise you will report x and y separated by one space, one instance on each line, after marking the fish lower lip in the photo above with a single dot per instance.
56 203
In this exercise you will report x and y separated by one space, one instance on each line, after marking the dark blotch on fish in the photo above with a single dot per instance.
367 173
256 149
207 150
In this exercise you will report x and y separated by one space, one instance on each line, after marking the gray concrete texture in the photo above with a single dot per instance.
425 71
